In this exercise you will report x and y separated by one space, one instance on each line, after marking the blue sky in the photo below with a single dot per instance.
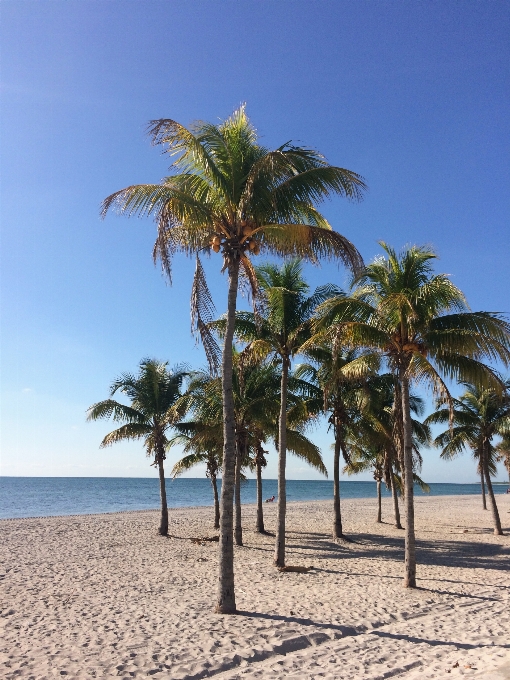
412 95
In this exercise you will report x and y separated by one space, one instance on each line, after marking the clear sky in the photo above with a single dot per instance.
412 95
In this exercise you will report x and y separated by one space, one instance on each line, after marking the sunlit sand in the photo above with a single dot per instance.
105 596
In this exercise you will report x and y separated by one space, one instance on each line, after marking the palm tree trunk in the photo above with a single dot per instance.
216 502
498 531
396 509
410 540
379 502
163 525
260 511
279 553
226 602
482 481
337 516
238 528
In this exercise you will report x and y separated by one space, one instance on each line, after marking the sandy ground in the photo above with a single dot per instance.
104 596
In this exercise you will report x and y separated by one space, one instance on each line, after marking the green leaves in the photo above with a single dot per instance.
477 417
224 183
417 320
153 394
309 243
229 193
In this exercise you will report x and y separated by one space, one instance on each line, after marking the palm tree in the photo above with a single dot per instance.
478 416
152 394
232 195
256 406
258 461
257 402
419 321
344 378
389 424
371 449
278 328
202 444
503 452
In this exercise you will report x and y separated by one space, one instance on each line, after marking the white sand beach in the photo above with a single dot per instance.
104 596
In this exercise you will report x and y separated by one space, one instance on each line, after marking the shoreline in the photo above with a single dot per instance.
172 508
102 595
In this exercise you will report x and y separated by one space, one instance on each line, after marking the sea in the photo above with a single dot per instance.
50 496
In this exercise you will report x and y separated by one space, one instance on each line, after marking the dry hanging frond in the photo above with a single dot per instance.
203 312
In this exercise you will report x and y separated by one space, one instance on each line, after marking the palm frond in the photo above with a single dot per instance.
126 432
109 408
188 462
194 148
309 243
303 448
202 313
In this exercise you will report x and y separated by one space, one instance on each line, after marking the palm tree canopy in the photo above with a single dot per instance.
226 185
256 402
503 451
153 394
202 444
281 322
420 321
478 416
229 193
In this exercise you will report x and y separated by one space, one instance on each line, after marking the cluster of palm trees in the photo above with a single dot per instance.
230 195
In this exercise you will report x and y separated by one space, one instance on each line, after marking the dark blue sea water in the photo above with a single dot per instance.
45 496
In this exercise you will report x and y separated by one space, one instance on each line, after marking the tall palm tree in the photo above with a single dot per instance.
478 416
230 194
278 328
419 321
152 395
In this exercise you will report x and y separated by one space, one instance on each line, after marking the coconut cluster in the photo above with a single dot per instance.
253 245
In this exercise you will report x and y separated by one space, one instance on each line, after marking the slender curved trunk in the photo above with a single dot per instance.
337 516
216 502
396 509
498 531
482 483
379 502
260 511
226 602
238 527
279 552
163 525
410 540
398 437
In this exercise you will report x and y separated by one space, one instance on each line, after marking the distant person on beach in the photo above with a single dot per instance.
270 500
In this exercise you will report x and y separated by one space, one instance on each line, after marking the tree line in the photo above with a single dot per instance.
399 325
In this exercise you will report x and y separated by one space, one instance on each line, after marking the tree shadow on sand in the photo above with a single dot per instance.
438 552
449 643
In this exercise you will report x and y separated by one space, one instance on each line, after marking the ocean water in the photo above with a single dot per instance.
47 496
